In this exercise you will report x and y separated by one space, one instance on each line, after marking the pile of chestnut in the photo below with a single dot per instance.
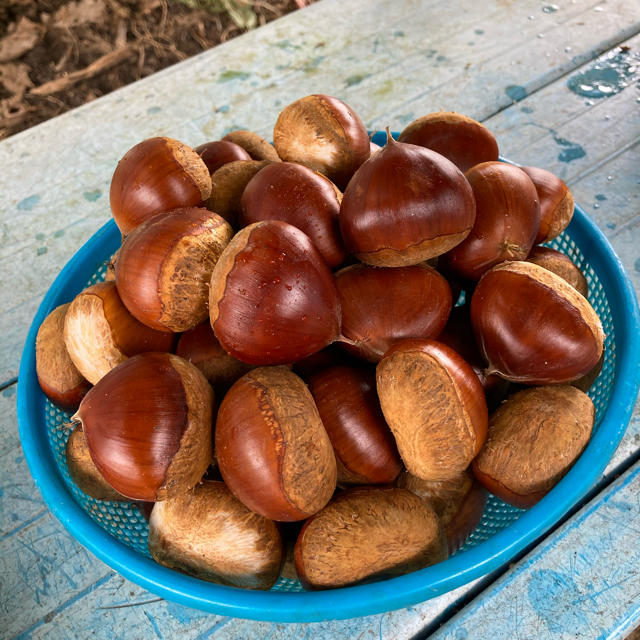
277 362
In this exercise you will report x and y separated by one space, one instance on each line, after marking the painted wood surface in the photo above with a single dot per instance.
506 63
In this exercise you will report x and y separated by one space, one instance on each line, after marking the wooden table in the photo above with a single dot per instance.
515 66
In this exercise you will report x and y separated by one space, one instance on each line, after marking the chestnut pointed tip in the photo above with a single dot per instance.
344 340
390 139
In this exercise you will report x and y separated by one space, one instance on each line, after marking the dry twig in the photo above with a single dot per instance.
103 63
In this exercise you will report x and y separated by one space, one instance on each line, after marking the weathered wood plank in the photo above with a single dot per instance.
117 604
236 86
611 197
508 68
581 582
41 565
570 134
20 501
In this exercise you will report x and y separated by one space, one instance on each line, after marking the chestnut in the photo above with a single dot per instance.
209 534
220 152
533 327
147 424
165 265
348 405
534 438
227 186
100 333
157 175
272 298
459 138
404 205
256 146
556 203
506 223
200 347
383 305
324 134
272 449
58 377
561 265
84 472
297 195
368 533
435 405
458 502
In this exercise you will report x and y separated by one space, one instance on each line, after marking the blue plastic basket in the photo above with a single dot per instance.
116 533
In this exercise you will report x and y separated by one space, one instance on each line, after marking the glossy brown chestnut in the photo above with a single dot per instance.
507 220
165 265
220 152
256 146
348 405
157 175
459 503
435 405
534 438
533 327
367 533
84 472
556 203
561 265
200 347
147 424
273 299
297 195
273 451
209 534
324 134
227 186
459 138
100 333
404 205
383 305
458 334
58 377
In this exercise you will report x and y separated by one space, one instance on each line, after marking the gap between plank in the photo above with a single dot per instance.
8 383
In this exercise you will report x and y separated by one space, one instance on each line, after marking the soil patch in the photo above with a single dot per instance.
60 54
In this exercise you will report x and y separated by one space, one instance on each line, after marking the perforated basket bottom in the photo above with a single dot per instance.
125 522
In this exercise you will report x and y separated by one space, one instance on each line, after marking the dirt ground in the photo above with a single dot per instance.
59 54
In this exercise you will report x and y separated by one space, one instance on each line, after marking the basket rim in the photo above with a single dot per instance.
364 599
